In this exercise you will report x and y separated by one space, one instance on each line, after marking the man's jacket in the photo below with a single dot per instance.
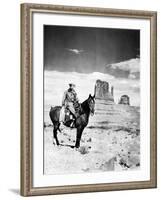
70 96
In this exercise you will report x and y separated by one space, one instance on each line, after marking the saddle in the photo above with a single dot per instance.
68 115
69 119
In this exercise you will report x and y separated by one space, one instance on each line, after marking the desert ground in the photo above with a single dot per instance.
111 141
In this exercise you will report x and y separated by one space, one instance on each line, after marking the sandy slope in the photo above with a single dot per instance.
111 141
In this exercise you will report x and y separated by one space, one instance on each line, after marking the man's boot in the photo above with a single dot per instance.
72 125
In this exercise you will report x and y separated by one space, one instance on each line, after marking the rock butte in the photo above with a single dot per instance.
103 93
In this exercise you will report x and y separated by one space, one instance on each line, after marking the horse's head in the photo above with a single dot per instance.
91 103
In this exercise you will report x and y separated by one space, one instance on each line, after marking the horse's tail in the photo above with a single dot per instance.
54 113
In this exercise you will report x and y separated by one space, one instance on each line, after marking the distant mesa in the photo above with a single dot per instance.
125 99
103 91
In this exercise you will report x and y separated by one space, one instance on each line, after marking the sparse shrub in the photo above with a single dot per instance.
89 140
83 149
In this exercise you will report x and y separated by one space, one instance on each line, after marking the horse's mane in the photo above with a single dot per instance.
85 106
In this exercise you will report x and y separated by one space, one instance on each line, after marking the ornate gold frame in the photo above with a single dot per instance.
27 10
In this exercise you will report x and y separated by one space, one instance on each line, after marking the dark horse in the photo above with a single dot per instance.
86 108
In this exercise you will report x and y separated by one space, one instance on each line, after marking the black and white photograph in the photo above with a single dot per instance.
91 99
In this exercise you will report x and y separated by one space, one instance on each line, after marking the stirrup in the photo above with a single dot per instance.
72 125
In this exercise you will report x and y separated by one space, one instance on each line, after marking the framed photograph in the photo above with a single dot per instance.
88 99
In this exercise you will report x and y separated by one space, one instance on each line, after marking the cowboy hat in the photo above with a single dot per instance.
71 84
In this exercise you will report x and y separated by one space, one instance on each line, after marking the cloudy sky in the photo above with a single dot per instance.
83 55
86 50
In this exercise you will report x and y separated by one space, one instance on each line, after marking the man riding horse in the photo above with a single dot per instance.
69 101
80 111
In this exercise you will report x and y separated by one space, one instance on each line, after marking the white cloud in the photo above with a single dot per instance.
76 51
126 69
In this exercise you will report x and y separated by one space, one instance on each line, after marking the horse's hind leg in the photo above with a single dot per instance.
55 133
59 128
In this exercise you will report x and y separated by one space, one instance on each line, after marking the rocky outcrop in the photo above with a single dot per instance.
125 99
103 92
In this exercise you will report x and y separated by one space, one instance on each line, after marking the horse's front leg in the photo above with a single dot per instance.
78 137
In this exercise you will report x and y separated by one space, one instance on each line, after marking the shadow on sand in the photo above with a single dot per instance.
15 191
67 145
